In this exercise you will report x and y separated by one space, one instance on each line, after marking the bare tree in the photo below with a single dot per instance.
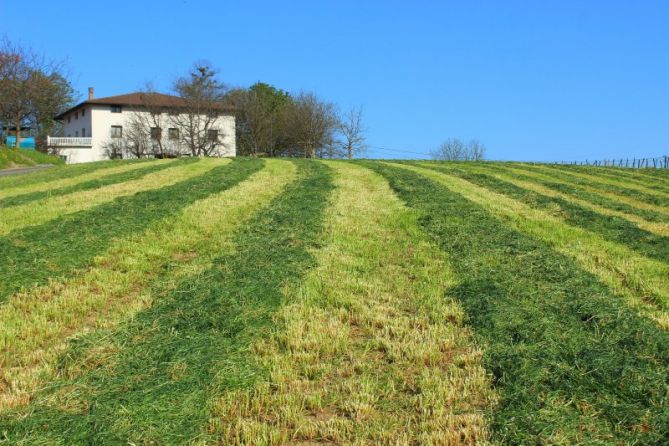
310 125
352 133
147 123
476 150
135 142
456 150
115 148
198 119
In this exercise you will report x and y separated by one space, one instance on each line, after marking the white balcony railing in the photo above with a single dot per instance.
68 142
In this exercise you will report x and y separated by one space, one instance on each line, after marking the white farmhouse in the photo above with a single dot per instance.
92 127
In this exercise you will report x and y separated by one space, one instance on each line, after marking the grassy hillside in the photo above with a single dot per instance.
249 301
12 158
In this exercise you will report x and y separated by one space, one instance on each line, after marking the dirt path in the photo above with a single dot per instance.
19 170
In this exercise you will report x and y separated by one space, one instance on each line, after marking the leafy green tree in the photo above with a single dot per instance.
32 91
261 119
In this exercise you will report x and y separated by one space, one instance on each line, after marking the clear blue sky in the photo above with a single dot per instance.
533 80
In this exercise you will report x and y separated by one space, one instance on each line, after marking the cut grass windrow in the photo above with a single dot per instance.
643 282
646 219
600 197
571 363
41 211
190 345
609 186
367 349
658 174
37 324
95 180
633 176
54 250
609 227
605 178
13 182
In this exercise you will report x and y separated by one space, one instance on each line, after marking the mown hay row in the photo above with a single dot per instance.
572 364
633 176
609 186
38 322
656 224
138 171
73 178
57 173
368 350
650 212
42 211
613 228
191 344
643 282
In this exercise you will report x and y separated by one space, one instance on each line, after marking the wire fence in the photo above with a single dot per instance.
658 162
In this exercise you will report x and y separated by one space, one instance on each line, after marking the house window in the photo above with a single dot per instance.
116 109
76 133
68 119
116 131
83 132
76 115
156 133
173 134
83 112
212 135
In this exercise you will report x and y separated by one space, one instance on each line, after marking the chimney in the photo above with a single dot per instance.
90 93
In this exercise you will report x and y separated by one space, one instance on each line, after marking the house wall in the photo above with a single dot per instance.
99 119
73 128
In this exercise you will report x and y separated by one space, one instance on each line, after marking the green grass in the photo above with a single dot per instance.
638 177
609 203
283 302
619 189
37 323
59 172
10 158
573 366
367 349
193 343
611 228
17 200
35 254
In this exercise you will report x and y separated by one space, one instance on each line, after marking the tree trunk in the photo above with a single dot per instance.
17 143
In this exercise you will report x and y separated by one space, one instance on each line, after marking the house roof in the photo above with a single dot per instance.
140 99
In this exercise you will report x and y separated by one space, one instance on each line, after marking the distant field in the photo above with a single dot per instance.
269 302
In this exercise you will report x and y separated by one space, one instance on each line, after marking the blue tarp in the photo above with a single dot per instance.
27 142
